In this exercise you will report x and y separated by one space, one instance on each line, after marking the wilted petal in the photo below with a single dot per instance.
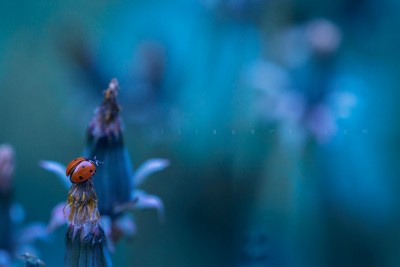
148 168
117 228
127 206
106 223
124 226
146 201
58 216
82 203
56 168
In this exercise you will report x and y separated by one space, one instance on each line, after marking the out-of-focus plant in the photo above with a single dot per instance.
15 239
116 182
302 107
298 100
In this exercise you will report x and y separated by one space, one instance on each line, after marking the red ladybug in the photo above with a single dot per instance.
81 169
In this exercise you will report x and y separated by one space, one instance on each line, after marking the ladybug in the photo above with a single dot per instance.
81 169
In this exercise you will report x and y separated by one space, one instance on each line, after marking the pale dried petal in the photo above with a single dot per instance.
106 223
126 225
146 201
147 168
82 203
58 216
56 168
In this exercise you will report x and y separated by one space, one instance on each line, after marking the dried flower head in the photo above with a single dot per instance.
106 120
85 238
106 142
82 204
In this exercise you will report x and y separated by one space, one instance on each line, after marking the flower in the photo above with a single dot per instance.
85 238
297 90
116 183
105 141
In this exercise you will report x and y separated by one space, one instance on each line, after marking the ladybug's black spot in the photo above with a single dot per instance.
91 170
80 178
83 167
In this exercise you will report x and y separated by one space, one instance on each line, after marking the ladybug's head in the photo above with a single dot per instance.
95 161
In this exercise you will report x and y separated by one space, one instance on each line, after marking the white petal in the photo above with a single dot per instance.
148 168
56 168
106 224
146 201
58 216
126 225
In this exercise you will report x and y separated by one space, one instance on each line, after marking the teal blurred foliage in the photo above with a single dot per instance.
278 118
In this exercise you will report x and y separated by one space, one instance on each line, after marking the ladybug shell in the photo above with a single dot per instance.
72 165
83 171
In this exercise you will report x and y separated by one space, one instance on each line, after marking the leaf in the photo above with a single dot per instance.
146 201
